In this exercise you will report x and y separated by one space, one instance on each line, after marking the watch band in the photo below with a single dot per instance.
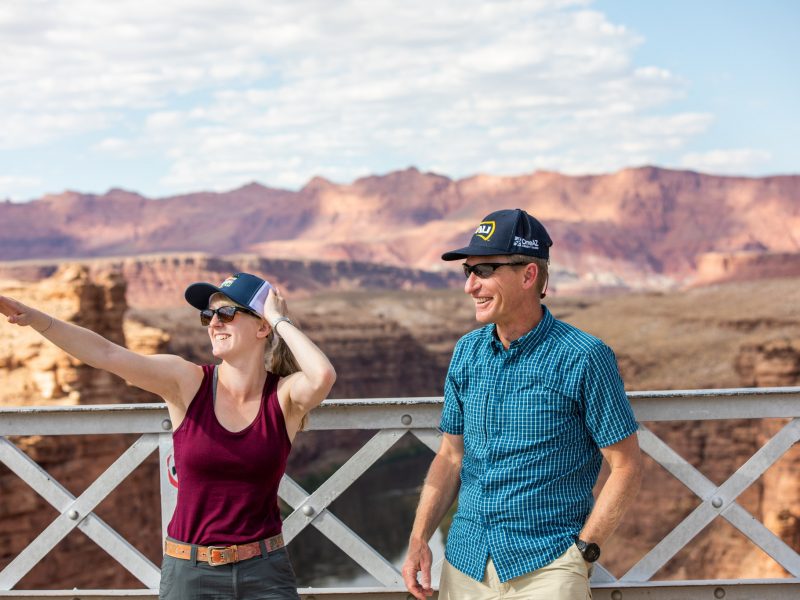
274 323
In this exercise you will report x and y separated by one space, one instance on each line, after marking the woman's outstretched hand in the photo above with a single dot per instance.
19 314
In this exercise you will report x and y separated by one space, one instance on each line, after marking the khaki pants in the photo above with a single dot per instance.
566 578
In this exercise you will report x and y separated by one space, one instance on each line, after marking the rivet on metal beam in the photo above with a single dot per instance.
719 593
717 503
166 424
616 595
406 419
73 515
308 510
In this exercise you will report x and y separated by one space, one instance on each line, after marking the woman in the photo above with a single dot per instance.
233 425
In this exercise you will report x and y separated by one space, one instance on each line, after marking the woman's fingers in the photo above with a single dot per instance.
15 311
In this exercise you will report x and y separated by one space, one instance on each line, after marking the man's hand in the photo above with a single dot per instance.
418 560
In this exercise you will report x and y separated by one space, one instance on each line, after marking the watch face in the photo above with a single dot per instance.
591 552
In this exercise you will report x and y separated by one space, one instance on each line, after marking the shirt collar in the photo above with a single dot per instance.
528 341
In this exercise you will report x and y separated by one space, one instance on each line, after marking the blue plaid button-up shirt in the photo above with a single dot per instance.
534 418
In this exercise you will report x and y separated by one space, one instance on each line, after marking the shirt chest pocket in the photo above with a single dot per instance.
477 408
537 411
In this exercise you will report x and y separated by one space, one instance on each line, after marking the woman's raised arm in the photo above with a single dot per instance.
166 375
307 388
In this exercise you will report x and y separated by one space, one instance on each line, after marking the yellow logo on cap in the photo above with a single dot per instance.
485 230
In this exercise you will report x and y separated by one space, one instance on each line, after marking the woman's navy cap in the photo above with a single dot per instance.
506 232
243 288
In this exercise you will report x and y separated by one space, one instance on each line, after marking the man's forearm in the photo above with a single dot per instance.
616 496
438 493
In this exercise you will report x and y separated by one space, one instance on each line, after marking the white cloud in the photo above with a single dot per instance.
19 184
738 161
281 91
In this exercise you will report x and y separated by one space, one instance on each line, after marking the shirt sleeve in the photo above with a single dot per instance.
453 411
609 416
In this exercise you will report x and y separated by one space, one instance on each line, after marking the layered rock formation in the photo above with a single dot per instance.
637 228
718 267
773 364
155 280
35 372
770 364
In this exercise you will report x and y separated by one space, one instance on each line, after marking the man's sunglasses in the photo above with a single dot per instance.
484 270
224 313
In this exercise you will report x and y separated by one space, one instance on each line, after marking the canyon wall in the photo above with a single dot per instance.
638 228
35 372
158 280
717 267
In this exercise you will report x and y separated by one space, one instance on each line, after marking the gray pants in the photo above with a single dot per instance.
268 577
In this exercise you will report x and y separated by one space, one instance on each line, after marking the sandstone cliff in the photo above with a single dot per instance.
642 228
158 280
34 372
717 267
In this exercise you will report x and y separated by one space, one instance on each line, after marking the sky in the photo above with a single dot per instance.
164 98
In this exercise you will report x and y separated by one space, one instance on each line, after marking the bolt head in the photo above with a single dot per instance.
719 593
616 595
166 424
406 419
73 515
308 510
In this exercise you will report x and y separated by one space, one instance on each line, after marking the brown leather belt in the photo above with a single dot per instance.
222 555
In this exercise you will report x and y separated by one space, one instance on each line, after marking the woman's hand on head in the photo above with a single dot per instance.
274 305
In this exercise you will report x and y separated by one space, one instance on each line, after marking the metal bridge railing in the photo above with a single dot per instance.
395 418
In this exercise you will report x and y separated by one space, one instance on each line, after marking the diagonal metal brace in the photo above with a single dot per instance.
343 478
717 501
78 512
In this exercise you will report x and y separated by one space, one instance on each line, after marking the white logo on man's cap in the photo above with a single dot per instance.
485 230
521 242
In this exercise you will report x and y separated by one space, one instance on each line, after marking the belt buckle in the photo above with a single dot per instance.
225 557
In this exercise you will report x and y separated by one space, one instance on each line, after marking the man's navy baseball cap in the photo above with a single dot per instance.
506 232
243 288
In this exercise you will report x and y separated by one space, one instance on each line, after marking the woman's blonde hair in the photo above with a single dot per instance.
278 358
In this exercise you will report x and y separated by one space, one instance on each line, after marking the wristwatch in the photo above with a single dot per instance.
589 550
274 323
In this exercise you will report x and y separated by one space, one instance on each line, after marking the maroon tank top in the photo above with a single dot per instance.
228 481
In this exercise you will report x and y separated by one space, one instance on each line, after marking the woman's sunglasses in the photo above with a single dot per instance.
224 313
484 270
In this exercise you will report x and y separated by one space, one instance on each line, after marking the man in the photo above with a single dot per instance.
531 407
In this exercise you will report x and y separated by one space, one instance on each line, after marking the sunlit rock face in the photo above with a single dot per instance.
159 280
716 267
35 372
774 364
638 228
